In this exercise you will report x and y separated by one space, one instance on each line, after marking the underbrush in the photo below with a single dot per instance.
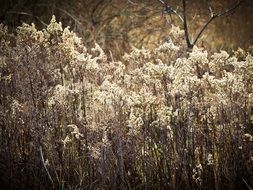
75 118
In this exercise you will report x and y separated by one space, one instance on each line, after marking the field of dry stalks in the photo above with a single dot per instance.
166 118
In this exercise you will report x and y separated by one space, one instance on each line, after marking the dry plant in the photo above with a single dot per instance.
158 119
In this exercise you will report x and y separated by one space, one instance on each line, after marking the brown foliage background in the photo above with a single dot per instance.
116 25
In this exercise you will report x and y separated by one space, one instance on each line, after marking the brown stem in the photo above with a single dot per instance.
189 45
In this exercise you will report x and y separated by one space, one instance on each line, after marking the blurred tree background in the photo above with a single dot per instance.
117 25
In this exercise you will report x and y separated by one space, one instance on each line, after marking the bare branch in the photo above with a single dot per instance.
169 9
214 16
229 11
189 45
27 14
202 30
246 184
210 10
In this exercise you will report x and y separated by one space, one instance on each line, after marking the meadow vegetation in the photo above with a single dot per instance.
73 117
